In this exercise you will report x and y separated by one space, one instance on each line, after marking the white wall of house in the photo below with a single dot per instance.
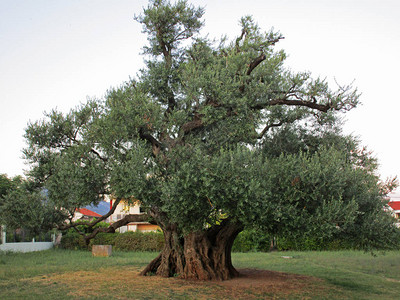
77 216
123 209
129 227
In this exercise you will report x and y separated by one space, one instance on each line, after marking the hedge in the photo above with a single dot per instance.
128 241
104 239
139 241
246 241
73 241
253 240
312 244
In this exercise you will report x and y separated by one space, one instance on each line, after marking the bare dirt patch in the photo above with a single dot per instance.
126 283
253 284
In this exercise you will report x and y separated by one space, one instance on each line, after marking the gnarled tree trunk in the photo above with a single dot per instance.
203 255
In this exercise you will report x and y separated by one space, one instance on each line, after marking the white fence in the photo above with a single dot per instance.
24 247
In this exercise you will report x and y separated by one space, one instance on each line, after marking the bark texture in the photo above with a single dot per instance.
201 255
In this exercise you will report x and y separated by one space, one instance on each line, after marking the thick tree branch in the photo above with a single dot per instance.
255 63
274 41
98 155
93 223
171 104
160 217
251 67
268 127
156 145
313 105
244 31
192 125
124 221
165 49
290 102
114 226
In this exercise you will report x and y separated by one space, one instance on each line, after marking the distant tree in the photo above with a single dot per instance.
27 208
8 184
5 184
192 138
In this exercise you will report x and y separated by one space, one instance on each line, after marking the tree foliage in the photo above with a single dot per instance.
212 136
24 207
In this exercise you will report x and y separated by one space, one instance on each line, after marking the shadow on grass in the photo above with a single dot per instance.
352 286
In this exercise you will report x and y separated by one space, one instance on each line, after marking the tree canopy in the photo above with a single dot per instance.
23 206
212 137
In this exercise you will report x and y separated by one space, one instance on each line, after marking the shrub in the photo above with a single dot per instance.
251 240
73 241
103 239
313 244
256 240
128 241
85 228
139 241
338 244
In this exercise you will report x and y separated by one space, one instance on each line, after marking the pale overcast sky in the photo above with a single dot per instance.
56 53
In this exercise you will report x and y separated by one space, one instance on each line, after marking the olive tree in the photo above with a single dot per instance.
186 138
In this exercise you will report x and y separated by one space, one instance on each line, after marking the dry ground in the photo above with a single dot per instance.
62 274
113 283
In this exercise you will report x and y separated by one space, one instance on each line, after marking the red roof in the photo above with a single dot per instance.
87 212
395 205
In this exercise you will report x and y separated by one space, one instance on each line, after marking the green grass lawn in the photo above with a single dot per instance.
63 274
354 274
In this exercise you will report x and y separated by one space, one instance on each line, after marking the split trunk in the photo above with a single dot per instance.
202 255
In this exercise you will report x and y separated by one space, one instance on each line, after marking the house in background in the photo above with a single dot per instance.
91 212
394 205
124 208
85 214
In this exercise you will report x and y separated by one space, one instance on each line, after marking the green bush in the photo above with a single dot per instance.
246 241
104 239
73 241
139 241
243 243
128 241
313 244
85 228
255 240
251 240
338 244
